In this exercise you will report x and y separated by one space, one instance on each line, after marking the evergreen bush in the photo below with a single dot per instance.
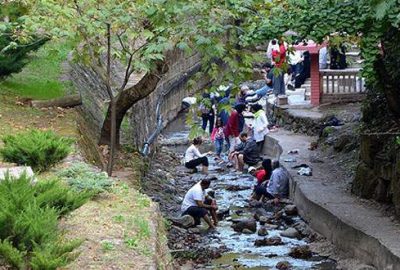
29 214
35 148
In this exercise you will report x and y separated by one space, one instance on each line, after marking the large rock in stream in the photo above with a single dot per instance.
185 221
240 225
290 233
272 241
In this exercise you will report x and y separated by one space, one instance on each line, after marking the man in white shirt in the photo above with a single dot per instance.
197 205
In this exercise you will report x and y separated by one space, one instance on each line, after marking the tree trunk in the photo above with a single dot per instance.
63 102
113 134
127 98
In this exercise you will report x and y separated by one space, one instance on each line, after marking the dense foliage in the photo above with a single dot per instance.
35 148
29 234
14 48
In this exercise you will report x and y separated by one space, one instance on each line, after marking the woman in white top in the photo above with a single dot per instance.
194 158
260 125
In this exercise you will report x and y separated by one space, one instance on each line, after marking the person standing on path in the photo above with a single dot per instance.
279 56
207 112
194 158
232 128
260 126
195 204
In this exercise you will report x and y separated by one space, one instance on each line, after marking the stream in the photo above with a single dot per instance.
232 192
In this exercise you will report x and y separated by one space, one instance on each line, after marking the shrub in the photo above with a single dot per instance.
29 222
35 148
54 194
10 254
81 177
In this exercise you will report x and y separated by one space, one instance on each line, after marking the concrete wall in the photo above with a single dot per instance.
141 119
174 82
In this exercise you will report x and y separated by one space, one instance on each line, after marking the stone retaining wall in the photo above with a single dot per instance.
141 119
378 173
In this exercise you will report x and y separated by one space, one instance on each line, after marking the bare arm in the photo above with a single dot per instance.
201 204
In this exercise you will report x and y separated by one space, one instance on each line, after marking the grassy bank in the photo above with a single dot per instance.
41 78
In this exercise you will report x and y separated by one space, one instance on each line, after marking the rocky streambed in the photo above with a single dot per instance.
250 235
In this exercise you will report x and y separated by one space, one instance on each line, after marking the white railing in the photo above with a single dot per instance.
345 81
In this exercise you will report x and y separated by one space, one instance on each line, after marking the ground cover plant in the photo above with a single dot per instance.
81 177
29 234
35 148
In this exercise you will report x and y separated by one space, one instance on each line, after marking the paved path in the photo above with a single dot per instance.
323 200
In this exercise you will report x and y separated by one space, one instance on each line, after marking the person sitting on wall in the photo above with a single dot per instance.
278 185
266 89
194 158
198 205
245 153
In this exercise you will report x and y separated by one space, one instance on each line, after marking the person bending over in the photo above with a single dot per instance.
262 176
278 185
198 205
194 158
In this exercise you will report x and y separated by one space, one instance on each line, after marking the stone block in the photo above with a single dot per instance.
16 172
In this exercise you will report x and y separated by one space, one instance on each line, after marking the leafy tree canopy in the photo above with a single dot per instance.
15 44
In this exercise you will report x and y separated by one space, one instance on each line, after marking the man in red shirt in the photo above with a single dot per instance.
232 128
279 57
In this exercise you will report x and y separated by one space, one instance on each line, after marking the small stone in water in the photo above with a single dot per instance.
301 252
290 210
262 231
263 220
271 226
247 231
284 265
290 233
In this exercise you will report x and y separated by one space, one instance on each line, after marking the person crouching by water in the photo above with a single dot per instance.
198 205
278 185
194 158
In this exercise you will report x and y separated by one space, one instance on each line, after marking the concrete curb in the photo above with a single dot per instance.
341 233
359 230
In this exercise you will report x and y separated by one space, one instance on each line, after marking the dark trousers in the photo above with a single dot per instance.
262 190
207 117
196 212
196 162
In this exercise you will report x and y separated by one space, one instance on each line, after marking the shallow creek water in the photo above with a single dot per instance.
242 253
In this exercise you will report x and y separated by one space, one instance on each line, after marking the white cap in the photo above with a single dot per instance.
251 168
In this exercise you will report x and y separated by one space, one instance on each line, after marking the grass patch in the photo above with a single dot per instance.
29 234
35 148
40 79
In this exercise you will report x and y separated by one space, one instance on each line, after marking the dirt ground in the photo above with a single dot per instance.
120 229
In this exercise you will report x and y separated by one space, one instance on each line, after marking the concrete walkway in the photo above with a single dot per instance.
322 199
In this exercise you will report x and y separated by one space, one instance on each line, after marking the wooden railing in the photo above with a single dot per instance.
337 82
